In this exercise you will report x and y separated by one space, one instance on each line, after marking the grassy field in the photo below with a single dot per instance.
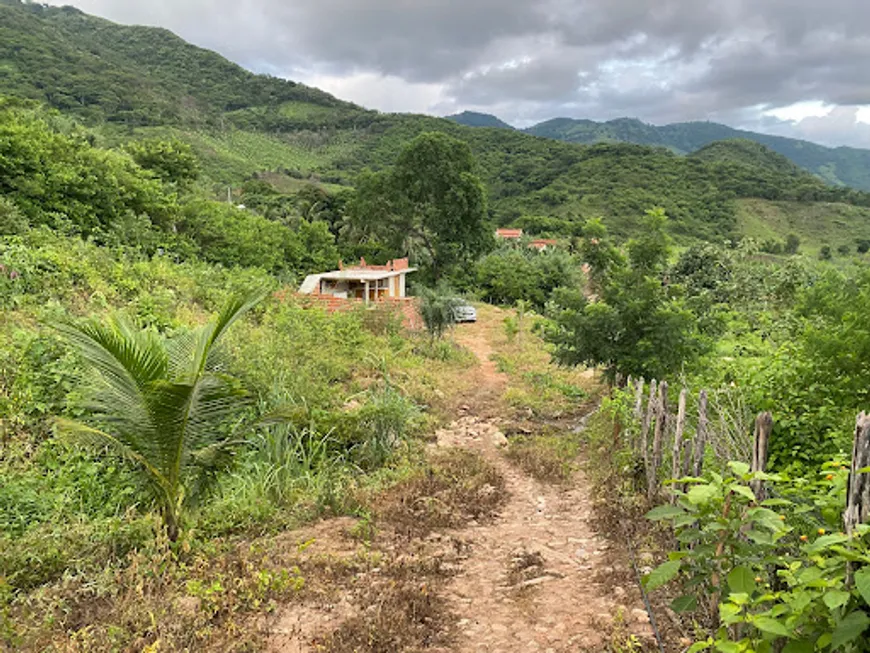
233 155
816 224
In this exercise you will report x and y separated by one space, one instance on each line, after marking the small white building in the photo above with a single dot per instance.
370 283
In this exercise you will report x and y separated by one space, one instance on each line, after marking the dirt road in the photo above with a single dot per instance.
538 577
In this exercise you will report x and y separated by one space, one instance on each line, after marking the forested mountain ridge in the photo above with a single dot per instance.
847 166
132 83
132 75
841 165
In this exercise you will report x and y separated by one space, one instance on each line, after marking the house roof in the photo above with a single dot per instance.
509 233
312 281
362 274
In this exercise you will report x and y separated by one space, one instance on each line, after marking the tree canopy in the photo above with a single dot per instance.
431 204
639 325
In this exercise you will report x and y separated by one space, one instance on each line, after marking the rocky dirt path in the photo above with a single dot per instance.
540 578
537 578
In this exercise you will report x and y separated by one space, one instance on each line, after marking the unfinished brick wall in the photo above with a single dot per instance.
391 266
408 307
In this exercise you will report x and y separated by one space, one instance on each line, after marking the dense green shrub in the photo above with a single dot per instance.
704 269
12 221
436 309
173 162
778 573
237 237
510 275
61 180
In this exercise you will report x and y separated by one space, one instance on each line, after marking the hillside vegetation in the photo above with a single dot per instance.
141 83
845 166
840 166
130 75
475 119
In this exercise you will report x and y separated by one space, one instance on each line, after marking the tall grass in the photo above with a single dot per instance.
291 461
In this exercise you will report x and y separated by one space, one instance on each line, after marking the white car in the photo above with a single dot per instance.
464 312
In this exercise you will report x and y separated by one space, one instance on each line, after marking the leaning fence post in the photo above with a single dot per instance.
763 427
678 442
647 420
661 422
700 434
858 496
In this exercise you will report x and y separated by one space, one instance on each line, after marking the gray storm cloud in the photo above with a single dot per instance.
659 60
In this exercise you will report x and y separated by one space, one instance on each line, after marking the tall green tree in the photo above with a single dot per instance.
431 204
598 252
639 324
163 404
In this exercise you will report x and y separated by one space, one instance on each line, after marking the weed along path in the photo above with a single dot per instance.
475 555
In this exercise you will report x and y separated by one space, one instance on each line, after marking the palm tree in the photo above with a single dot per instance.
162 403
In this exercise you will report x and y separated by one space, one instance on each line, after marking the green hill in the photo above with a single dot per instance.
819 223
840 166
130 83
624 130
474 119
748 153
131 75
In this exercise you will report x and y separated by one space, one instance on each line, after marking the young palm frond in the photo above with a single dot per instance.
162 404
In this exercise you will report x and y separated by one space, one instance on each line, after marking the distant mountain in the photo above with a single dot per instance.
840 166
474 119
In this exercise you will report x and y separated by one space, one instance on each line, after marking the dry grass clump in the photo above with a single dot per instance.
455 488
401 609
548 458
159 601
523 566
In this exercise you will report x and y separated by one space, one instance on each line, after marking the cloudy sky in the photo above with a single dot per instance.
793 67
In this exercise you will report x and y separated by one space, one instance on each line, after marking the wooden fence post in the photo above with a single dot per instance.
858 492
647 420
678 442
637 414
638 400
700 434
661 423
687 460
763 427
